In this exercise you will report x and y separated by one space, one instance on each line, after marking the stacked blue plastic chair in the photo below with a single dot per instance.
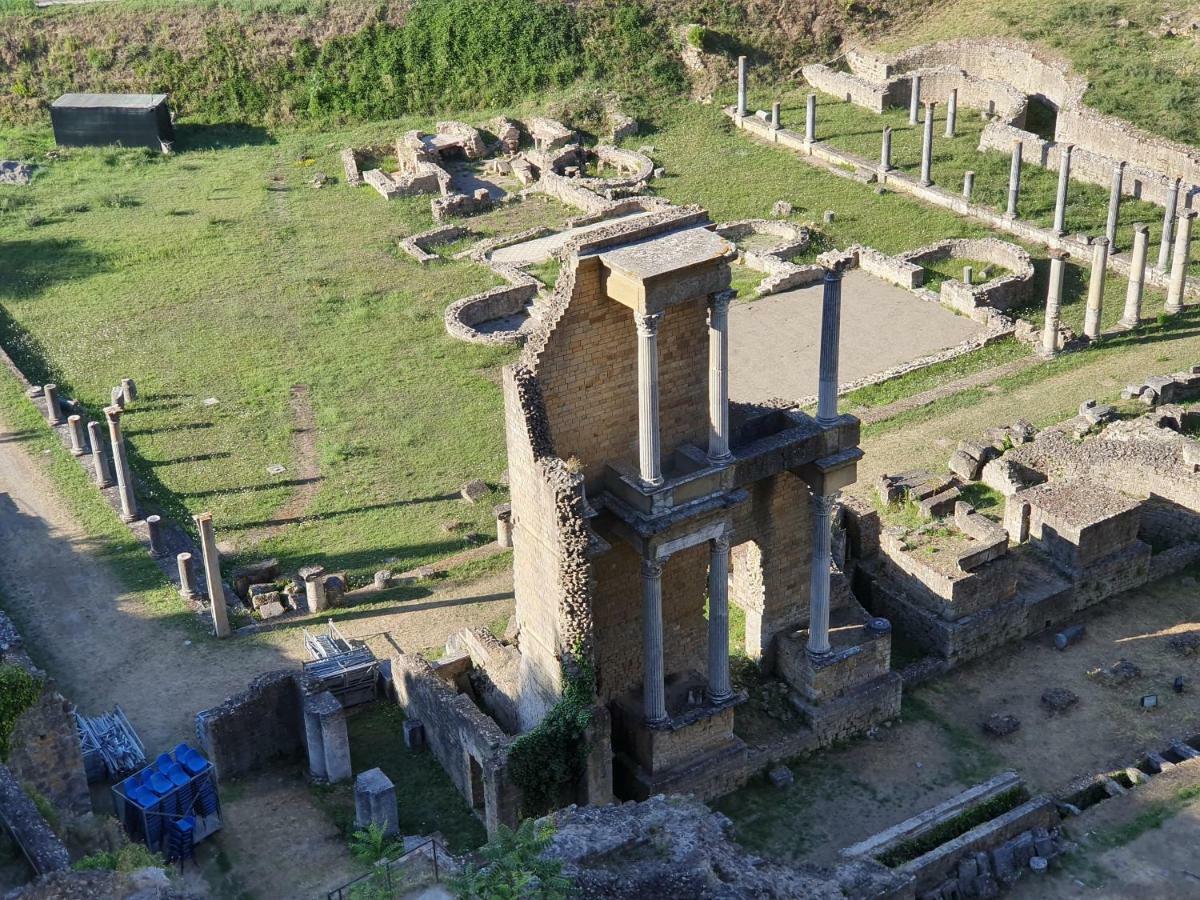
181 844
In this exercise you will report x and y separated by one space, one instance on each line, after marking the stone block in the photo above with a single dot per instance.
1003 863
474 490
263 572
327 738
940 504
781 777
1023 849
414 734
965 466
271 610
375 802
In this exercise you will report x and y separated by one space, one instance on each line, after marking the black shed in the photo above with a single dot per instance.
130 120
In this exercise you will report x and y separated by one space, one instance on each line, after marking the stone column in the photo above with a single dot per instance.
718 377
154 532
187 577
927 147
914 101
121 464
314 588
504 524
654 702
810 119
104 476
818 604
1164 249
885 152
952 112
1064 181
1137 277
775 114
75 431
831 326
1058 265
1179 262
1014 180
1114 206
968 275
1095 300
53 407
718 619
212 573
128 390
327 739
649 455
741 98
968 185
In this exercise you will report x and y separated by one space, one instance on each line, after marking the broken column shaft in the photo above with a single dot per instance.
1064 182
927 147
212 574
1164 249
1132 314
100 459
1095 300
1014 180
1058 264
1179 262
1114 206
121 464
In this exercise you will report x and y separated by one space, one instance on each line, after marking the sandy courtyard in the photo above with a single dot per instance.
775 342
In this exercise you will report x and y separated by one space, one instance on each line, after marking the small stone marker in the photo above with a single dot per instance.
211 401
414 734
382 579
474 490
1179 684
1038 863
276 469
781 210
1058 700
375 802
271 610
829 216
781 777
1149 701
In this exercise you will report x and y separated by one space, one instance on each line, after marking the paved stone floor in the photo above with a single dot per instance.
539 249
775 342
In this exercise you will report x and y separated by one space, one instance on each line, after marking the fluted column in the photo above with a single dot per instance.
121 464
831 326
718 619
927 147
818 608
1114 206
1014 180
649 455
718 377
1164 249
1179 262
1095 300
885 151
741 97
1058 264
952 113
914 101
810 119
212 573
654 702
1137 277
1064 182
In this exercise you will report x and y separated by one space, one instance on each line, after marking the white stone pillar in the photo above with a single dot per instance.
654 702
187 577
53 406
810 119
927 147
831 326
103 471
719 687
75 432
968 185
120 464
1114 206
1137 277
952 113
212 573
1095 300
1058 264
1179 262
741 97
1014 180
885 152
775 114
649 454
818 604
1064 181
718 377
914 101
1164 249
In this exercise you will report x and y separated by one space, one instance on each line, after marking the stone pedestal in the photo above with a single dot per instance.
187 577
327 739
375 802
53 408
75 432
314 588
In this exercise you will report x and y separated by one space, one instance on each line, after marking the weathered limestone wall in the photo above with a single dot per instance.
262 724
44 749
19 813
470 746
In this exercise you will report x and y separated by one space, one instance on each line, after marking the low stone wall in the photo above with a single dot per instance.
781 273
29 829
1002 293
634 169
571 192
854 88
463 317
418 245
471 747
262 724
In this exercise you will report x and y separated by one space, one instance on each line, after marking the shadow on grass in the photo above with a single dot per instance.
220 137
333 514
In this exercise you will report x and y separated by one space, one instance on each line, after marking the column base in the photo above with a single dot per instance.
925 182
721 460
1129 325
128 519
104 484
1172 310
192 596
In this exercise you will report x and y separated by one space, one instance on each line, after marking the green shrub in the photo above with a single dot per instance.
515 868
371 844
697 37
128 858
907 851
18 691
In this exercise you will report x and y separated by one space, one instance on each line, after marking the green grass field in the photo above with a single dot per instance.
220 273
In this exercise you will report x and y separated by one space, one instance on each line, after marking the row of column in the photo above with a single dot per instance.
719 686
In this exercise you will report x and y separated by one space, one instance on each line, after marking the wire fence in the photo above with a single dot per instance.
393 874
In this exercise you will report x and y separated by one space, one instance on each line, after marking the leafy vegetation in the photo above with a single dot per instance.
545 761
514 868
372 844
18 691
130 857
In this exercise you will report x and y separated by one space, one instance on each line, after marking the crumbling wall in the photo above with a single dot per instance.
33 835
263 724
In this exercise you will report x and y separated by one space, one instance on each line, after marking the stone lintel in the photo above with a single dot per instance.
832 473
647 534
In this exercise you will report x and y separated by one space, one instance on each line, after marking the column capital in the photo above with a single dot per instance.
718 302
722 541
113 413
647 324
824 503
653 568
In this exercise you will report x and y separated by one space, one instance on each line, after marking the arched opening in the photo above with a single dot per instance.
1041 117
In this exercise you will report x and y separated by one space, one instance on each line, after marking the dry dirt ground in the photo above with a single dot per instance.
103 647
785 330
